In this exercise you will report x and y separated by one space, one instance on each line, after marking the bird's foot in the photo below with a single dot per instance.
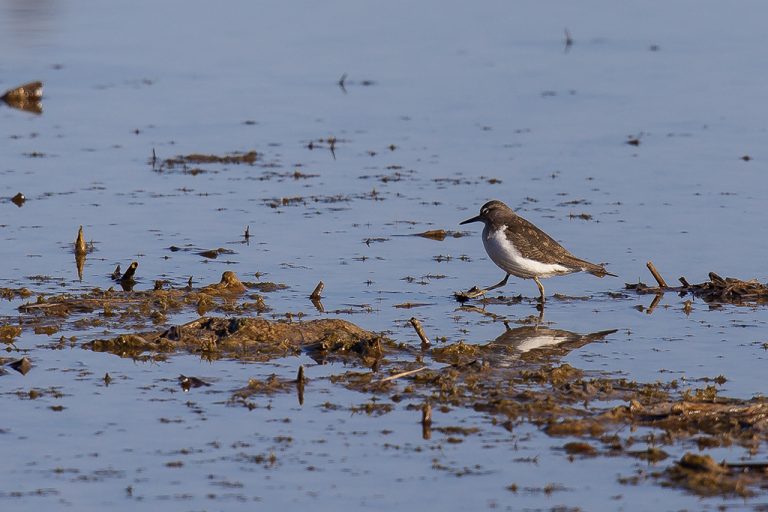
472 293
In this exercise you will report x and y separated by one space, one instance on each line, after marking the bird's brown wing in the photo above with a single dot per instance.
538 245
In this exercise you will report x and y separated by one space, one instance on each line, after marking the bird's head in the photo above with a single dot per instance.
492 210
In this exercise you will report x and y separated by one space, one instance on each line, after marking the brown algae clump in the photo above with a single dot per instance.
8 333
701 475
229 284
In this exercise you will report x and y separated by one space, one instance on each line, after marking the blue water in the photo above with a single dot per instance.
478 102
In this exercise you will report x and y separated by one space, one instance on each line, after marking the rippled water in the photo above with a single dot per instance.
443 107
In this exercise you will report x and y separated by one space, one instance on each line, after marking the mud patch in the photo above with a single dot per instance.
253 339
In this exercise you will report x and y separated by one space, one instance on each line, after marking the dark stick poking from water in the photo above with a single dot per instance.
656 275
81 249
425 343
316 295
127 281
426 421
128 276
300 381
568 41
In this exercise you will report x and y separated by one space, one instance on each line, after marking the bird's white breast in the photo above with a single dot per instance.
508 257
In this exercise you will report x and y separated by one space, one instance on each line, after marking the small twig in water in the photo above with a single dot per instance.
426 421
656 275
417 326
81 248
402 374
317 293
300 381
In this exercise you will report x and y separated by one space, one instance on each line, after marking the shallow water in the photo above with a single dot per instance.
444 107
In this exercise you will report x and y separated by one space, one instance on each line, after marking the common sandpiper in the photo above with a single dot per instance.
522 250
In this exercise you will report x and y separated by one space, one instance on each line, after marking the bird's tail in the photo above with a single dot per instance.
595 270
599 271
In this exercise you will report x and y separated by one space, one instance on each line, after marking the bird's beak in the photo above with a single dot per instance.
479 218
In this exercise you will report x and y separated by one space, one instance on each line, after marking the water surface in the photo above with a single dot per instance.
444 107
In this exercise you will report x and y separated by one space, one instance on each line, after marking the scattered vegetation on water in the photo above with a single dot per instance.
514 379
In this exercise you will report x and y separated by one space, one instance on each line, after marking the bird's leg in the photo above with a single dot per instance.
476 292
542 299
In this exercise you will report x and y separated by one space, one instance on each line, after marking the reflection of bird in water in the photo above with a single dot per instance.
543 341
